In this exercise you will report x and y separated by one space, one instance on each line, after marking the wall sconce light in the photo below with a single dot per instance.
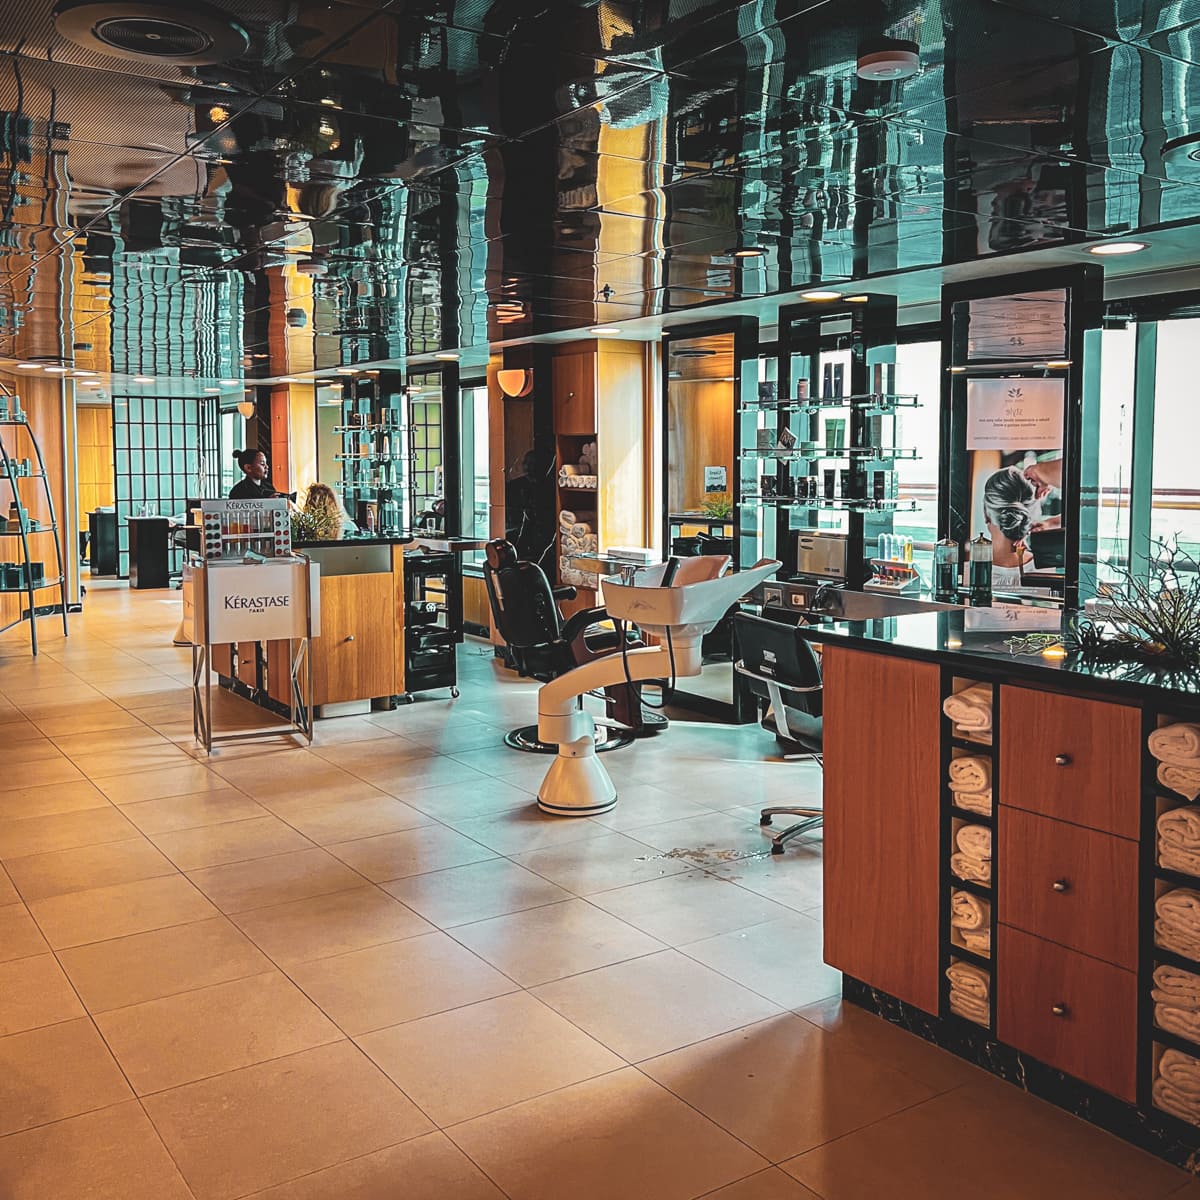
515 381
246 408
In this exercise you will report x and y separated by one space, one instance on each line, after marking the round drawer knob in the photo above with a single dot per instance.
349 637
1062 760
1061 885
1059 1010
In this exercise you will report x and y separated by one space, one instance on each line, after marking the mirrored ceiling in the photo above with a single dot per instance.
261 188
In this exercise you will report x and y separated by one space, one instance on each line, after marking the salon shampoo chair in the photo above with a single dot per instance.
781 668
543 645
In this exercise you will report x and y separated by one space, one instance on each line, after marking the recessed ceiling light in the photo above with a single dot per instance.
57 370
347 370
29 366
143 379
84 374
748 252
957 370
231 382
288 379
894 60
604 329
820 295
447 356
857 299
212 391
1106 248
1058 364
90 383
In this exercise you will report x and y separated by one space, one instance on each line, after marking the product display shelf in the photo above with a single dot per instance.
952 818
375 486
28 586
874 401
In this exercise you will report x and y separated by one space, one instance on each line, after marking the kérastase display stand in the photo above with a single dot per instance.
250 587
277 600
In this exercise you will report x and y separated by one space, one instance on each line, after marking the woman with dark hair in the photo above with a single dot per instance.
254 484
1010 509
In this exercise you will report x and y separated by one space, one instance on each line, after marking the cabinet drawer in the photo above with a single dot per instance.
1078 760
1070 885
1069 1011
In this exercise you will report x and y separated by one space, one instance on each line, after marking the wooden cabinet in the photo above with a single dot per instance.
882 783
1070 885
1069 1011
355 656
574 381
1077 760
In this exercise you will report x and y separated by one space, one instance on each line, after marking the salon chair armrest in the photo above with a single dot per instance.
565 593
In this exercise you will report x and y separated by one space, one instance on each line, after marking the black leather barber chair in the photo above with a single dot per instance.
542 645
781 668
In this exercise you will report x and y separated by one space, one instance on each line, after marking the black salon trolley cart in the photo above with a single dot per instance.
433 621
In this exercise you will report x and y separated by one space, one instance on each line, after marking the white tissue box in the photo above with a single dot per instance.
637 554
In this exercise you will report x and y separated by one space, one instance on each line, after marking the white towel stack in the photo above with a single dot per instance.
1177 922
971 783
970 990
1176 1089
971 919
971 711
1176 996
583 473
575 536
1179 839
973 858
1177 748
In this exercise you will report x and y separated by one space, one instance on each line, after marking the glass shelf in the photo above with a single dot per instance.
816 454
884 401
27 532
41 585
836 505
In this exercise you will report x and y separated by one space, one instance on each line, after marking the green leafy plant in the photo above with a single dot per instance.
718 505
1155 620
310 527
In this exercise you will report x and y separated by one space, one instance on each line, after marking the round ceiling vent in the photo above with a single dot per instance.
195 35
888 61
1181 155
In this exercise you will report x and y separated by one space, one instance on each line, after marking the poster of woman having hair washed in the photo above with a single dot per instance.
1015 467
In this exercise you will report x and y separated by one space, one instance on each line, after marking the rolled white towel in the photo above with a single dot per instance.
1171 1100
976 802
968 978
975 869
1176 987
978 1011
1180 827
1183 1021
566 518
1181 1071
1184 780
1170 937
590 544
570 469
1178 744
975 841
970 709
580 529
1180 908
968 911
970 773
978 940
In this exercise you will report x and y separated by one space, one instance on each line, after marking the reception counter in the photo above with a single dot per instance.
1052 987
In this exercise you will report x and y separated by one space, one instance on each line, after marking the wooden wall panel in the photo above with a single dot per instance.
94 439
882 785
620 390
699 434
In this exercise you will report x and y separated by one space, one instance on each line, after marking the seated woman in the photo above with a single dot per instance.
329 520
1010 509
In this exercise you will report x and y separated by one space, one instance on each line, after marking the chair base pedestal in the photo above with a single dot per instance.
577 787
525 738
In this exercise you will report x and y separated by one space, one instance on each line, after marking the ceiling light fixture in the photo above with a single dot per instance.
1104 249
604 329
888 61
85 374
29 366
1058 364
747 252
957 370
213 391
57 370
447 356
515 381
231 383
143 379
246 408
857 299
347 370
819 294
288 379
218 114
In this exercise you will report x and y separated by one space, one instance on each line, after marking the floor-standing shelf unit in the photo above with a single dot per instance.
26 579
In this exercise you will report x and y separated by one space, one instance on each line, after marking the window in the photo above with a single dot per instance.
1175 503
919 373
476 481
1118 348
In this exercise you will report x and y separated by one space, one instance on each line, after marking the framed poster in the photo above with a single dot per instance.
1015 447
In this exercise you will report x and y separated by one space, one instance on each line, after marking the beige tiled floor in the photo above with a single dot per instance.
372 970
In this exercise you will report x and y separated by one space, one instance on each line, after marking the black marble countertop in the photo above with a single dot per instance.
984 642
363 539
